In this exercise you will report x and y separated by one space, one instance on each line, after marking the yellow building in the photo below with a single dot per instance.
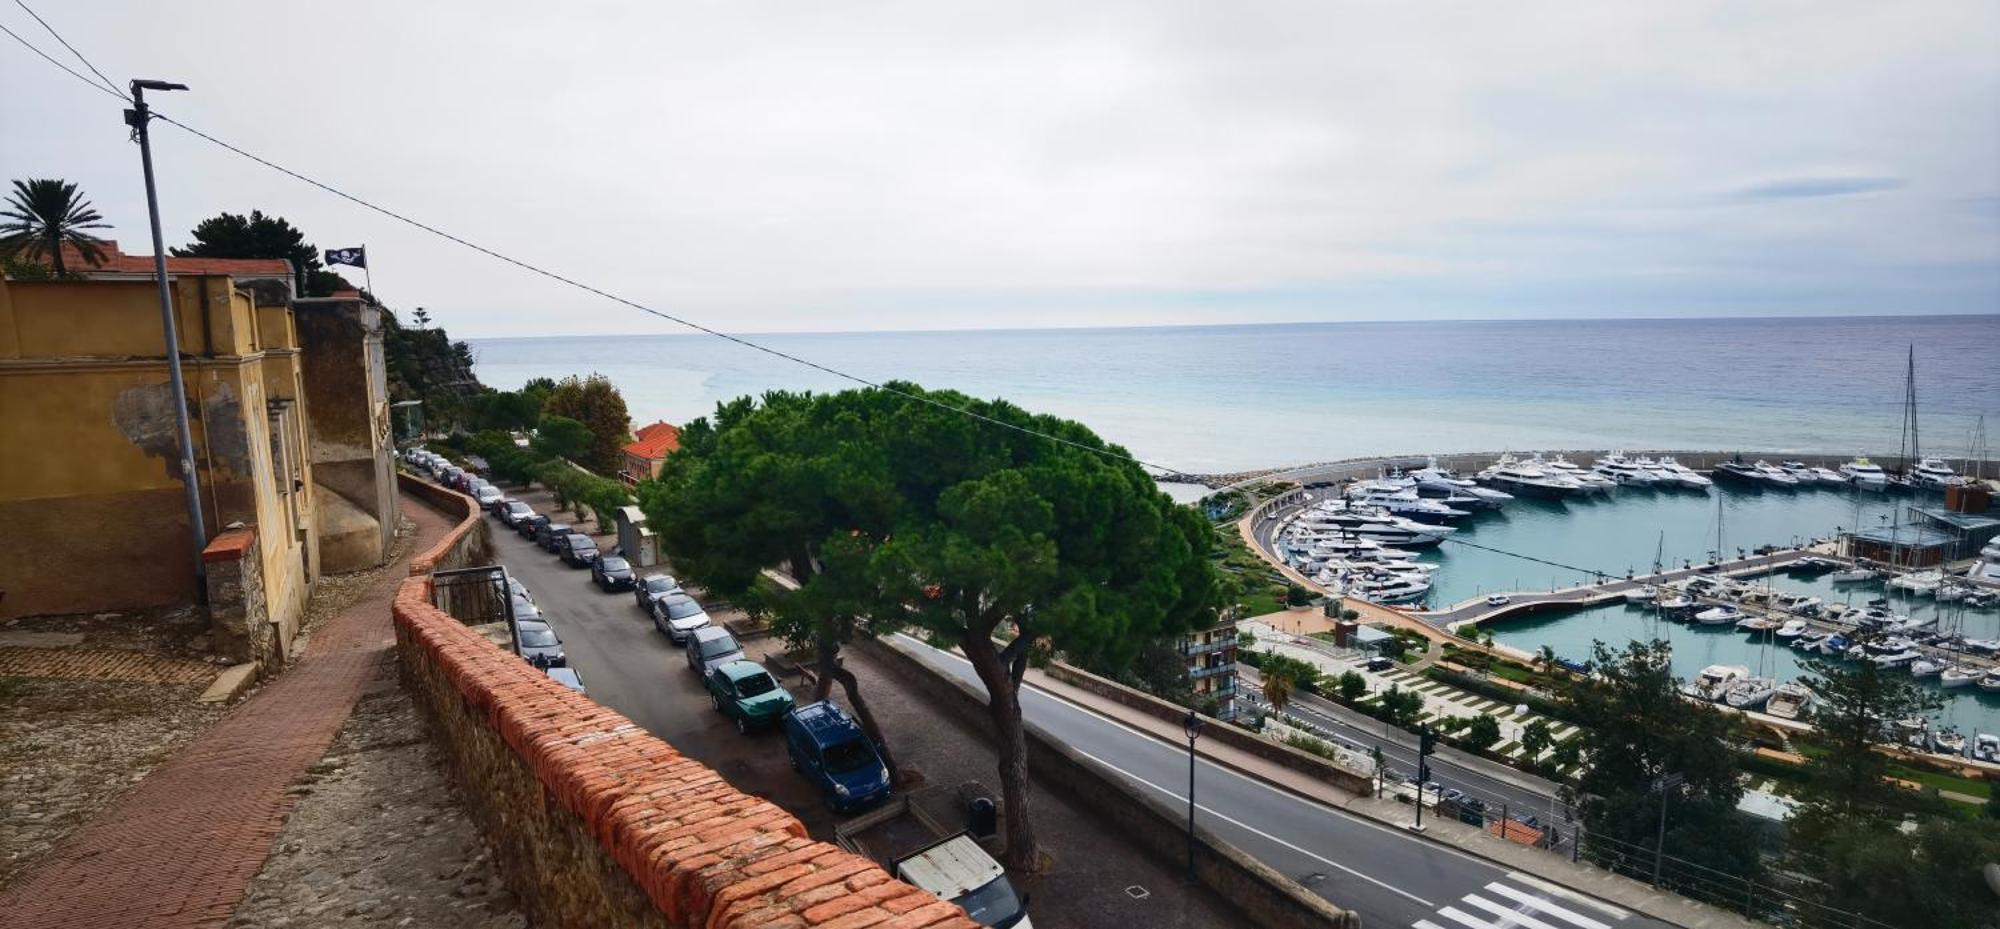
90 483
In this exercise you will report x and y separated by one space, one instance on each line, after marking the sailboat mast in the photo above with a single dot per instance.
1910 410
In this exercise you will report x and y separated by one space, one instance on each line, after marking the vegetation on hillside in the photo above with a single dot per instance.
233 235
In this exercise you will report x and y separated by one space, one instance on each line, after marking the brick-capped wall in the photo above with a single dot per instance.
598 823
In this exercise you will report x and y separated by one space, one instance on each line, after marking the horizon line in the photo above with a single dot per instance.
1244 325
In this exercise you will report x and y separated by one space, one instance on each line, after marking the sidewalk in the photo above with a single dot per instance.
1552 868
180 848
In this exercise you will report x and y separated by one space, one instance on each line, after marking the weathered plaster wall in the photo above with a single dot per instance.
349 443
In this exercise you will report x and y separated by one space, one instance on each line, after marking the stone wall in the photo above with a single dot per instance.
347 406
239 621
1265 897
598 823
1355 782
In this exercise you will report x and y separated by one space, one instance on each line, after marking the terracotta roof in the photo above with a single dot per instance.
117 262
655 441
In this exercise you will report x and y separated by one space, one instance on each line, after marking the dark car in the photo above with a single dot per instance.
612 573
551 533
748 694
525 609
528 525
711 647
677 615
540 646
652 587
577 550
836 756
568 678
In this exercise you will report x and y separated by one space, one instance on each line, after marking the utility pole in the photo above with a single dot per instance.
1666 786
138 117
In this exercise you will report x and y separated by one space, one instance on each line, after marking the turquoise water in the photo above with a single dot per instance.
1227 398
1621 533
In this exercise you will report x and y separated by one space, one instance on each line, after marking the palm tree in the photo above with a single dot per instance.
1278 691
45 215
1547 661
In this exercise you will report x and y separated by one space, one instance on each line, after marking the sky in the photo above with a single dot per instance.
762 166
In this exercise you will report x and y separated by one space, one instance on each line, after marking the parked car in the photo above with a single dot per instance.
1496 599
678 616
525 609
577 550
836 756
449 476
711 647
652 587
551 534
528 525
487 495
540 646
612 573
513 511
518 589
748 694
568 678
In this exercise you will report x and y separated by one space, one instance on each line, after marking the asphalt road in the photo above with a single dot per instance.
1389 876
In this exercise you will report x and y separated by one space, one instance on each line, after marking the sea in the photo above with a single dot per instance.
1222 399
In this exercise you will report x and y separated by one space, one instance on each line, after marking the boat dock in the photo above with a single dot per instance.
1476 611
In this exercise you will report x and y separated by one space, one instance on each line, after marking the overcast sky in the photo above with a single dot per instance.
800 166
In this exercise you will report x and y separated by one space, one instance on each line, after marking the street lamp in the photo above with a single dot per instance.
138 117
1191 724
1663 785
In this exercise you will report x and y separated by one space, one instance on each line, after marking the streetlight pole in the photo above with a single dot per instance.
1191 724
138 117
1665 785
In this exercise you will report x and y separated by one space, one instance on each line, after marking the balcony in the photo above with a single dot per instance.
1197 672
1191 649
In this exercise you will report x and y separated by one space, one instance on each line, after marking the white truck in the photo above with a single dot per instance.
903 837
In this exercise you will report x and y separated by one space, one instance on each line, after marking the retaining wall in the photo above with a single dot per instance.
1265 897
597 823
1354 782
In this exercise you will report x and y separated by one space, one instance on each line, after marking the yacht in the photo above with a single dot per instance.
1774 475
1932 474
1800 471
1828 476
1948 741
1811 641
1373 525
1388 588
1990 682
1719 616
1624 471
1402 501
1958 676
1528 480
1854 575
1986 747
1790 701
1642 595
1865 474
1927 667
1433 481
1749 693
1792 629
1918 582
1715 680
1756 623
1738 473
1682 474
1591 480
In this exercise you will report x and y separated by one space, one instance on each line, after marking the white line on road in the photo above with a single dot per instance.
1568 894
1545 906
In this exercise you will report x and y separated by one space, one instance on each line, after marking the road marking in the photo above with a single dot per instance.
1253 829
1546 906
1454 913
1568 894
1508 915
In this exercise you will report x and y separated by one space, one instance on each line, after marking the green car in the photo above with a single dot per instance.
747 693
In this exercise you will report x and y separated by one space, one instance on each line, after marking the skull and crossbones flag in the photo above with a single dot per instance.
357 257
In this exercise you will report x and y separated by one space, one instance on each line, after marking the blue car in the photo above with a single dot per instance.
833 753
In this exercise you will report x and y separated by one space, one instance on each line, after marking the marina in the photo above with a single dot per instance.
1744 577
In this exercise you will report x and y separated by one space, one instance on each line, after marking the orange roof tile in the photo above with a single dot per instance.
655 441
117 262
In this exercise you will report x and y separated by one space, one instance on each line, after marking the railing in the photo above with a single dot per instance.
1197 672
1205 648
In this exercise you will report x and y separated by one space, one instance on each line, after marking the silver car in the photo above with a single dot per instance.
678 616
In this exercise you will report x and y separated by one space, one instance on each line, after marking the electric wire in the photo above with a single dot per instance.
588 288
109 83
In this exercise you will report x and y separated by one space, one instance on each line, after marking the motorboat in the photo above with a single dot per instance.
1811 641
1751 623
1774 475
1433 481
1677 605
1625 472
1927 667
1528 480
1792 629
1749 693
1828 476
1642 595
1948 741
1959 676
1682 475
1402 501
1715 680
1835 644
1792 700
1990 682
1738 473
1948 592
1918 582
1719 615
1800 471
1865 474
1932 474
1914 731
1855 575
1898 659
1981 646
1986 747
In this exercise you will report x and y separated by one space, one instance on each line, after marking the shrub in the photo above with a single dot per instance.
1296 595
1352 686
1482 733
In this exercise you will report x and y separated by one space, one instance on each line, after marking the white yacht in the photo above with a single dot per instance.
1801 471
1590 480
1986 746
1958 676
1402 501
1792 629
1828 476
1790 701
1624 471
1433 481
1774 475
1854 575
1715 680
1723 615
1865 474
1918 582
1528 480
1927 667
1682 474
1932 474
1373 525
1749 693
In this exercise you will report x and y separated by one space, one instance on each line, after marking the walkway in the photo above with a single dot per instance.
180 848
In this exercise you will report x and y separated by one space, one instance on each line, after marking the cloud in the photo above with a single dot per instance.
1802 188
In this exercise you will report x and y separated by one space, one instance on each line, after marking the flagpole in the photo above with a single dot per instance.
368 274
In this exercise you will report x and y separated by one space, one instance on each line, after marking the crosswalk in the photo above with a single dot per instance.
1502 905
